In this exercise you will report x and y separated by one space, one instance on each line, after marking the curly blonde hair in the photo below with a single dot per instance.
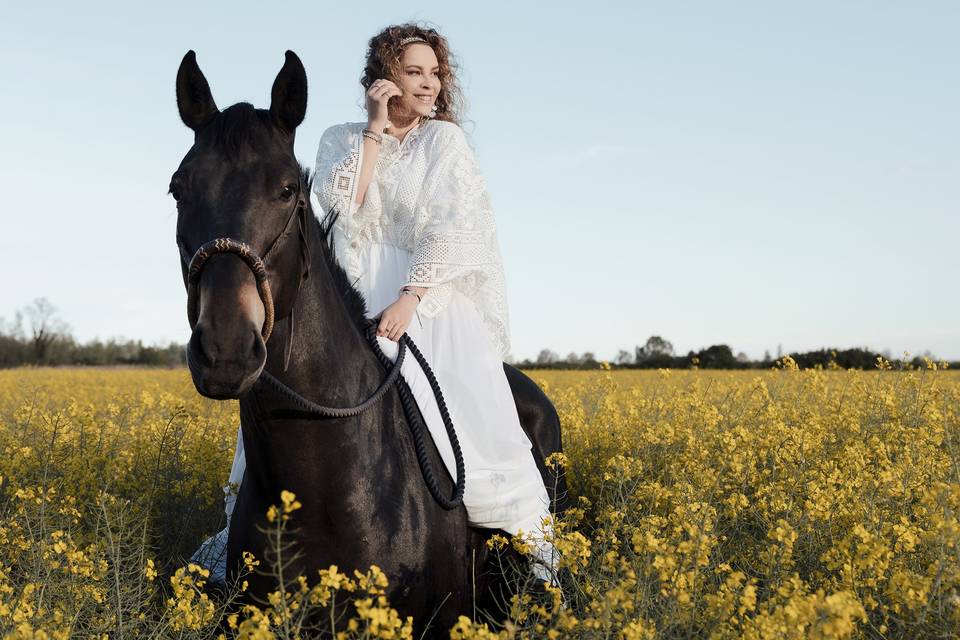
383 61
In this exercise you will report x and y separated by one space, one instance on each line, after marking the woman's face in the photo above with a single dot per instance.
419 79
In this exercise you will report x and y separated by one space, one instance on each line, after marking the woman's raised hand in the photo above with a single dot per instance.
378 95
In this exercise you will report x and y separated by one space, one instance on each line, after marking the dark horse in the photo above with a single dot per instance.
363 493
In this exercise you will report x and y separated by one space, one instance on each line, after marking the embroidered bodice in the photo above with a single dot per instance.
427 196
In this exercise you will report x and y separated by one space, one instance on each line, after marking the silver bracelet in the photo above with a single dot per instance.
373 135
411 292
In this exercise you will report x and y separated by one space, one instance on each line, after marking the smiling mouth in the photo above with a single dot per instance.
425 99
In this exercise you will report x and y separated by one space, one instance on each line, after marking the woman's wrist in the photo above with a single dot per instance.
377 125
421 291
409 292
370 134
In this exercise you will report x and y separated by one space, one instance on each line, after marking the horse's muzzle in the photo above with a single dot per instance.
226 361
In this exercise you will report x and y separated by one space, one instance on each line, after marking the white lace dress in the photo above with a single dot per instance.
426 221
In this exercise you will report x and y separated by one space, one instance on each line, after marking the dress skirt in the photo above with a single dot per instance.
504 489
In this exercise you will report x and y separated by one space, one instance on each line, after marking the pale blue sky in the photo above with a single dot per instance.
753 173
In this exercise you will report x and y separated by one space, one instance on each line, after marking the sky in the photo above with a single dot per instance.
767 175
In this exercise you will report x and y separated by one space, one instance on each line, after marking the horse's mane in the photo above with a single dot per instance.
352 298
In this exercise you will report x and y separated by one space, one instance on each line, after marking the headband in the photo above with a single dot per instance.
411 39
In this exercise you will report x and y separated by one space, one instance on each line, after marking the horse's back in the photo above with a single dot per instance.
541 423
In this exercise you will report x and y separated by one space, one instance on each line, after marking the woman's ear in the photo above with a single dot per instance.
288 99
194 99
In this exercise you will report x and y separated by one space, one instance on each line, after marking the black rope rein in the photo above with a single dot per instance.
417 428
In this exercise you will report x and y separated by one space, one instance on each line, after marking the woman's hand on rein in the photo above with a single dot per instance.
378 95
396 318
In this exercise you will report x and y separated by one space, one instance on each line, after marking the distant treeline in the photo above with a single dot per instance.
37 336
658 353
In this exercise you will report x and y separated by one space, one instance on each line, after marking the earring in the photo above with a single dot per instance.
433 111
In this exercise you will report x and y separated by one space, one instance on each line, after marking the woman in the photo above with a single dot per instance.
414 230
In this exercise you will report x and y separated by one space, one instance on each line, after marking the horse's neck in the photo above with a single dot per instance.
331 364
330 357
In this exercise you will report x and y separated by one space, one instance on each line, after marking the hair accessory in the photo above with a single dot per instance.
410 39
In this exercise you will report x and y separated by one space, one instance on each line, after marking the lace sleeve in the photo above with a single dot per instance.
336 179
455 238
337 170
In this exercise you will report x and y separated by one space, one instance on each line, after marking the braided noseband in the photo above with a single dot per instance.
252 260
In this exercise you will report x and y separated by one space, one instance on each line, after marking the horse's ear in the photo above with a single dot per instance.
194 99
288 99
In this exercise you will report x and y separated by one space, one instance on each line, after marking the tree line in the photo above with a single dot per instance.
38 336
658 353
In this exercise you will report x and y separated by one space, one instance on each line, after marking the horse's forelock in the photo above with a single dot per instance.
238 126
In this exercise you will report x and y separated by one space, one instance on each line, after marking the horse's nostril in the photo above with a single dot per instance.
199 346
259 347
208 349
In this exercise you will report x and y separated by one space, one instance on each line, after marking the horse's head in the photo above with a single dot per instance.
240 202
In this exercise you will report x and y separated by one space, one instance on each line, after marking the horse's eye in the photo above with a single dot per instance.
287 193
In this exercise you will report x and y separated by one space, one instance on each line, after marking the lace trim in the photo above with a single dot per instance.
456 239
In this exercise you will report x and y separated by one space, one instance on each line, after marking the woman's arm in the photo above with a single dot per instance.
455 244
371 150
378 96
456 247
455 237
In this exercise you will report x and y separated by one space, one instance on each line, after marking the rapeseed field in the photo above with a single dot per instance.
747 504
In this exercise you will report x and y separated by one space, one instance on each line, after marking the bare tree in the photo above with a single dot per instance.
45 327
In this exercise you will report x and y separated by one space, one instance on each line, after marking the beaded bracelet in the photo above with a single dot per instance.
373 135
